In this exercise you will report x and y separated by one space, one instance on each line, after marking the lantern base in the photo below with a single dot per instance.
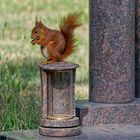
69 127
59 132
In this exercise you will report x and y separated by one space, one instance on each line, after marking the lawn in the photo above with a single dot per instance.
19 73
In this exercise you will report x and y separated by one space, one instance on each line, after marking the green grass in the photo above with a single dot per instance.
19 73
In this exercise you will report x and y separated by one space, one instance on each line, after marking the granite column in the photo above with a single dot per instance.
112 51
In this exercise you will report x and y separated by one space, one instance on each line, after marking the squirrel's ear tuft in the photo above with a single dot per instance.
36 20
41 24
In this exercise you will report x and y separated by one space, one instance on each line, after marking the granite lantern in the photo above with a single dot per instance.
58 105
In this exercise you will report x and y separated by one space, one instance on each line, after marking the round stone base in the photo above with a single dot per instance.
60 132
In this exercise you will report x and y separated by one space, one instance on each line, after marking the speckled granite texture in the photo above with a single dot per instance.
57 94
137 48
97 113
112 51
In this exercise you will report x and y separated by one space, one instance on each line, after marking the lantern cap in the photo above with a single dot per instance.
59 66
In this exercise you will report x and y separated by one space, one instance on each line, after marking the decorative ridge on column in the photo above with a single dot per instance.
137 49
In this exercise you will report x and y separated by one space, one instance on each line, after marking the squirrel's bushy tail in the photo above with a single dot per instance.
67 26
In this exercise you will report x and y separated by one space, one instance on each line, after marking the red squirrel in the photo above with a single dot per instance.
56 45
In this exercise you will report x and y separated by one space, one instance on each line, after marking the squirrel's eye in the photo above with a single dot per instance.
36 31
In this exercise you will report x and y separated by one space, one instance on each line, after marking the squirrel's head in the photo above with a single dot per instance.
38 32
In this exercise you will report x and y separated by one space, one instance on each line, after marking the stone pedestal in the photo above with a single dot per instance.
58 104
137 49
91 113
112 64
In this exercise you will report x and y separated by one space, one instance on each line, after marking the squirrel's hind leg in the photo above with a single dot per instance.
53 53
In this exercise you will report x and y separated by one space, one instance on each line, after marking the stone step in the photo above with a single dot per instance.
96 132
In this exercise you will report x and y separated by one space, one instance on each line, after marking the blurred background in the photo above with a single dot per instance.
19 72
